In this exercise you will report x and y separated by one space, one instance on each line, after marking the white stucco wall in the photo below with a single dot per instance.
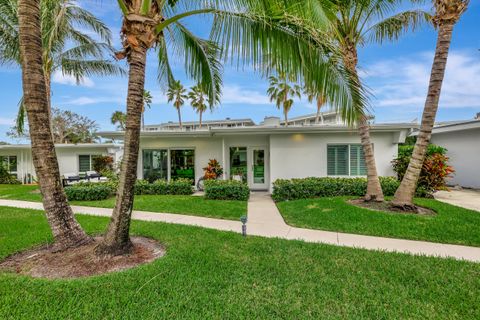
464 153
305 155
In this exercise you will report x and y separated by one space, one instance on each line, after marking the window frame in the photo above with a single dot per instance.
8 162
349 169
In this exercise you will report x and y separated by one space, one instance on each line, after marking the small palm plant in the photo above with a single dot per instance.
198 100
282 91
177 94
147 102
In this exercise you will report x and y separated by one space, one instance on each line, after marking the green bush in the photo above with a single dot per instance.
6 177
328 187
87 191
162 187
226 190
435 169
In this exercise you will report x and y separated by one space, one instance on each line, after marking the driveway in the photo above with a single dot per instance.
465 198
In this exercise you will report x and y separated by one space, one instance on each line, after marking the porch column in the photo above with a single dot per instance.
224 175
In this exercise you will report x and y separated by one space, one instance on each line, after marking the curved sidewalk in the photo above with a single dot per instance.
265 220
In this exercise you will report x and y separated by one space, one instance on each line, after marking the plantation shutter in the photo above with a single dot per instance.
357 161
84 163
337 160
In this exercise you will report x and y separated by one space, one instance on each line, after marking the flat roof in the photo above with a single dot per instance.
456 126
63 145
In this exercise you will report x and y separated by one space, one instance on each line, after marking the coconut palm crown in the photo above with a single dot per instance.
177 94
282 91
199 101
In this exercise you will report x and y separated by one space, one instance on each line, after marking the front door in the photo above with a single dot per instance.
257 173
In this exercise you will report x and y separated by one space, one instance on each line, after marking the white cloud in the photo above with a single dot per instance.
235 94
82 101
60 78
6 121
403 82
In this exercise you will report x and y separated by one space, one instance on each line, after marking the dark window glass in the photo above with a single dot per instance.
182 164
155 165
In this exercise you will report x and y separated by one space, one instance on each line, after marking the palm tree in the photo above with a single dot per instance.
66 48
177 93
198 100
147 101
447 14
358 23
246 28
282 91
319 99
119 118
66 230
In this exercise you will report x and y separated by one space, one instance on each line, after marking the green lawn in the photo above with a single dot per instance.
451 224
192 205
208 274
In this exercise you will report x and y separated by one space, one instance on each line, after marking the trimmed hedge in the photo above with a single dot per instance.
89 191
162 187
329 187
226 190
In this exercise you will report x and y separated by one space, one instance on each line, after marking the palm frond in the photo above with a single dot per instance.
85 68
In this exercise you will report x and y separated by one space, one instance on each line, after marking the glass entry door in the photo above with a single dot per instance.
258 172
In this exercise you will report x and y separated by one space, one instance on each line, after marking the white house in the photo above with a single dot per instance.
265 152
462 140
72 158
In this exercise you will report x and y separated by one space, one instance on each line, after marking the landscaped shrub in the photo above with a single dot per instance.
6 177
226 190
435 169
213 170
87 191
102 163
327 187
162 187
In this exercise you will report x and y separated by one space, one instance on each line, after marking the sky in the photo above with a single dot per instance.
396 74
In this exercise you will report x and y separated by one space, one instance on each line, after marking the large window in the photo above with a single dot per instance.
182 164
9 163
84 163
346 160
155 165
238 162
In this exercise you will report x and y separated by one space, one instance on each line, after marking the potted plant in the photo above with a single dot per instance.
237 174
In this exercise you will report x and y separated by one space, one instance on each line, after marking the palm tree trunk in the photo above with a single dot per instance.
66 230
117 240
201 113
374 188
404 195
285 114
179 117
319 107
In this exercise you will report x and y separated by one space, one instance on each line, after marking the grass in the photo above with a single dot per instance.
192 205
208 274
451 224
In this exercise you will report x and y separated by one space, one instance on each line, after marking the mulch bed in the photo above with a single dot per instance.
41 262
387 207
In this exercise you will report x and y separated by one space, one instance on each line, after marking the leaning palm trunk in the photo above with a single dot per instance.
66 230
179 117
448 13
201 113
320 102
374 188
117 239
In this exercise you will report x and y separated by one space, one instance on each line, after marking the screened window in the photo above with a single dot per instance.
346 160
9 163
84 163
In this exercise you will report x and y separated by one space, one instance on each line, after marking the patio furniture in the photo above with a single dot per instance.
89 175
70 178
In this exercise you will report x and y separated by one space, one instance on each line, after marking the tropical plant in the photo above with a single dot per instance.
177 94
357 23
67 232
198 100
282 91
447 14
67 47
319 99
147 102
247 29
213 170
119 119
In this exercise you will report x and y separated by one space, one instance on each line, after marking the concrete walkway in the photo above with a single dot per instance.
265 220
465 198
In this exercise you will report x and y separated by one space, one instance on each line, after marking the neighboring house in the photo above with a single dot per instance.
72 158
265 152
462 140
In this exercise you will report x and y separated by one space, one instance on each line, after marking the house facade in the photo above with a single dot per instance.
262 153
462 140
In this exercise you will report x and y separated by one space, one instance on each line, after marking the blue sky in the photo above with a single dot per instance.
397 75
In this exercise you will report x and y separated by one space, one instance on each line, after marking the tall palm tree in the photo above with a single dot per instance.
147 102
447 14
282 91
245 28
67 48
177 94
198 100
119 118
66 230
357 23
319 99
